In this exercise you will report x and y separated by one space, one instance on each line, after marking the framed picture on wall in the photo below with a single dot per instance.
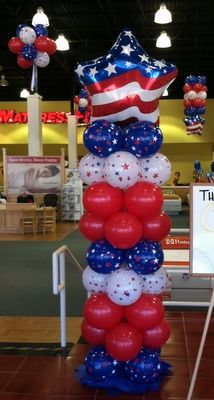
202 229
31 174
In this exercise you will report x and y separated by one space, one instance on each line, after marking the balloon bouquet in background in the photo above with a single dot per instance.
82 107
195 94
124 219
199 173
33 48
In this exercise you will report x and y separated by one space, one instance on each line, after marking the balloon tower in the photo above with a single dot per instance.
124 219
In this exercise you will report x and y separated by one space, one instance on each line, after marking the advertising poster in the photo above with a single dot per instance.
32 174
202 229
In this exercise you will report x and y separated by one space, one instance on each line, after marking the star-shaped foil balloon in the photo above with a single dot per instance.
126 84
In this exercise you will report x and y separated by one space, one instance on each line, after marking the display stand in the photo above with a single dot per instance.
71 196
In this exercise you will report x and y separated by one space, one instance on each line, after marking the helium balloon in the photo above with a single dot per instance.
42 43
146 257
23 63
103 257
143 199
99 365
41 30
146 313
156 228
123 230
52 47
155 283
92 335
145 367
42 59
15 45
123 342
122 169
91 169
101 312
94 282
157 336
102 138
92 226
27 35
155 169
143 139
123 287
103 199
29 52
127 84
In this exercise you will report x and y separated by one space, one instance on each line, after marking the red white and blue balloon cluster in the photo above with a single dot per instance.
195 94
83 103
33 48
124 219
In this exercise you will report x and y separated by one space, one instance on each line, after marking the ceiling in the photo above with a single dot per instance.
92 28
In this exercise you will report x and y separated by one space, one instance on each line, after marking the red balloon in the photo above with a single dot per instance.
143 199
92 335
42 44
157 336
92 226
145 313
123 230
187 87
197 102
15 45
156 228
52 47
23 63
103 199
187 103
101 312
123 342
197 87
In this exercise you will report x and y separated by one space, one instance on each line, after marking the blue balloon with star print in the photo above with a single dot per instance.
146 257
103 138
29 52
100 365
143 139
145 367
103 257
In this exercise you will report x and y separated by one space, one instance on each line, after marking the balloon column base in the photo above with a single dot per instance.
122 384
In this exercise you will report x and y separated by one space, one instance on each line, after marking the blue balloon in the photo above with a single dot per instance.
143 139
202 79
83 93
40 30
197 165
191 111
191 79
19 27
103 257
145 367
146 257
29 52
201 110
103 138
100 365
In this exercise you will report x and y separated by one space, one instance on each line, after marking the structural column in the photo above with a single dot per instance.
35 147
72 141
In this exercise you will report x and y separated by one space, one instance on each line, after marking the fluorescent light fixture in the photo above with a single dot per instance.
163 15
40 18
62 43
163 40
24 93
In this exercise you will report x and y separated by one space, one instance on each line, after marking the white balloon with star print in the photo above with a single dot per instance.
122 169
91 169
94 282
123 287
156 169
155 283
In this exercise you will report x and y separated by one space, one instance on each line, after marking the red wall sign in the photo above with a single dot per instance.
21 117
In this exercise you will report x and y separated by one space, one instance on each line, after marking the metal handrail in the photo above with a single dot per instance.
59 286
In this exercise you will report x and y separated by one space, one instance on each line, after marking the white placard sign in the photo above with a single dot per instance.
202 229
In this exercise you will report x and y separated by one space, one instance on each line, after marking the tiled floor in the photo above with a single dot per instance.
42 377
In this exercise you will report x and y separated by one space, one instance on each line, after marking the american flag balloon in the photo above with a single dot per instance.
125 85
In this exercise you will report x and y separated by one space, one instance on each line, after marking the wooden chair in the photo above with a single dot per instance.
28 220
47 222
